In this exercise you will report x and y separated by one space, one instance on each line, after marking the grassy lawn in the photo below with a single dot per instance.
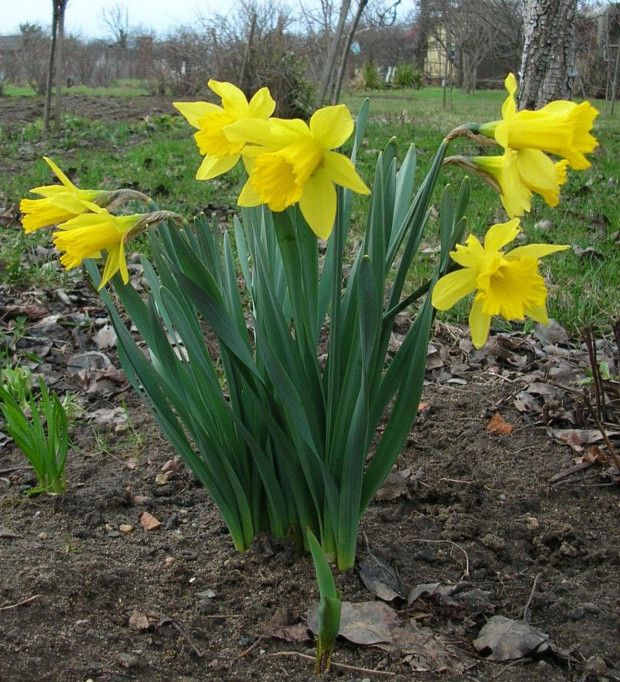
123 87
159 157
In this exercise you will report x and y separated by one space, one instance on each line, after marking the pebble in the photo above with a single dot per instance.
127 660
169 560
172 522
125 528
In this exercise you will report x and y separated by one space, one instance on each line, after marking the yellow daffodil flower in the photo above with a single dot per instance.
293 162
507 284
519 173
60 202
85 236
221 154
561 128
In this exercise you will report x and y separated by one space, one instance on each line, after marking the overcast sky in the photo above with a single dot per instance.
84 17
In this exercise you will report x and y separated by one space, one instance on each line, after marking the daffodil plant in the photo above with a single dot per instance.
281 423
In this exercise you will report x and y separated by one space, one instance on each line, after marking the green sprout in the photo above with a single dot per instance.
42 437
329 608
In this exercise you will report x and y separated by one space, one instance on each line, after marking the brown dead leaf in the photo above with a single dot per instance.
282 626
365 624
171 465
595 454
148 521
498 426
504 639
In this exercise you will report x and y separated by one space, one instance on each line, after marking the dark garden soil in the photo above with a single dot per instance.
487 517
29 109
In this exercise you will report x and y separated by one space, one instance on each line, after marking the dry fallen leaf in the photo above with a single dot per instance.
366 623
171 465
498 426
504 639
148 521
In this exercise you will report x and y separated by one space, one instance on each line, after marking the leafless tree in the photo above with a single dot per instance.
34 55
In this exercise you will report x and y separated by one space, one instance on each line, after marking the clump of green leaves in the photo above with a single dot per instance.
407 76
371 76
39 427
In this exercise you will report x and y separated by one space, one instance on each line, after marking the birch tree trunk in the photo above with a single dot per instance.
50 70
62 4
346 51
331 54
547 66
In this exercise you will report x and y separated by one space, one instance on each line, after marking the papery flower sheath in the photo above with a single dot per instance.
60 202
293 162
519 173
85 236
221 154
506 284
561 128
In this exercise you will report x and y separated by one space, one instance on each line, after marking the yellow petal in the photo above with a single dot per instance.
59 174
537 170
331 126
249 196
272 133
343 173
469 254
72 204
193 111
534 251
262 105
509 107
318 203
479 323
212 166
538 313
114 262
233 99
452 287
501 234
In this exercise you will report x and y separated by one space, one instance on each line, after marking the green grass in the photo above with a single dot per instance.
160 158
123 87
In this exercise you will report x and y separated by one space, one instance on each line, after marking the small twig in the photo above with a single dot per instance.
20 603
529 601
597 380
520 661
569 472
188 639
449 542
335 665
601 428
8 471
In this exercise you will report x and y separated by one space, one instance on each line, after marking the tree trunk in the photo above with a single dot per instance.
61 33
50 70
347 50
331 54
547 66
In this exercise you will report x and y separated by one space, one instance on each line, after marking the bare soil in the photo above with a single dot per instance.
85 597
